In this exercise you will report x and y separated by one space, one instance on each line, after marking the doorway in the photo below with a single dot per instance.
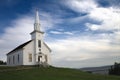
39 59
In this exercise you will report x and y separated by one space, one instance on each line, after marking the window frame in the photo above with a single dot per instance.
13 59
30 57
18 56
39 43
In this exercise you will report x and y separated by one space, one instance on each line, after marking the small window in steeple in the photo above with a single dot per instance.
39 43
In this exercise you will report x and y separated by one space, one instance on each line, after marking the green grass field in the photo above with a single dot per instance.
35 73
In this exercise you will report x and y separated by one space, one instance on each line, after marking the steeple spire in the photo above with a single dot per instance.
37 21
37 17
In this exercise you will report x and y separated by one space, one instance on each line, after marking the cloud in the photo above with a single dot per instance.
61 32
81 5
77 49
109 19
15 34
91 48
55 32
48 20
87 63
69 33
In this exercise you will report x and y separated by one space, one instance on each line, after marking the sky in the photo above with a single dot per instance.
81 33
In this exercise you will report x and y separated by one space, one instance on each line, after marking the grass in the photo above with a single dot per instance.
36 73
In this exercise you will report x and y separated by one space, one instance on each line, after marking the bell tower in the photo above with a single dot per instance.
34 34
37 37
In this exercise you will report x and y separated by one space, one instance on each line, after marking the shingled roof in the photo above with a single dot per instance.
19 47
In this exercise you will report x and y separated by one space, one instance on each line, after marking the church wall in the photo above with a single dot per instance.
13 60
46 51
28 49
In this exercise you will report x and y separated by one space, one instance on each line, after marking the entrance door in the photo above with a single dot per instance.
39 59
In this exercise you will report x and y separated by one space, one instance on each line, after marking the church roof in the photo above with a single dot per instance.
47 46
19 47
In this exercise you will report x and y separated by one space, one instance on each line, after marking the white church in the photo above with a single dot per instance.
32 52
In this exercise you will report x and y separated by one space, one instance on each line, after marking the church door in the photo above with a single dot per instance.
39 59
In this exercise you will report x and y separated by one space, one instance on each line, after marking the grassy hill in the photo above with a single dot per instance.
35 73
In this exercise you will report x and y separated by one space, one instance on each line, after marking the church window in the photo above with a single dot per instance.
13 59
18 57
39 43
40 53
39 49
9 60
30 57
46 58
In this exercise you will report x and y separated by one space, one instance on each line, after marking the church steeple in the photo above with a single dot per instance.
37 16
37 34
37 21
